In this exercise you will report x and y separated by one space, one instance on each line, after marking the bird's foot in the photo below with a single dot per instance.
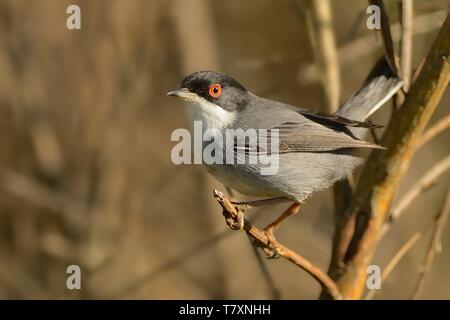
241 206
234 217
235 223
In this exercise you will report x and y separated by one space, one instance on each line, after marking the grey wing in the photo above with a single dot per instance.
298 129
304 136
334 120
313 137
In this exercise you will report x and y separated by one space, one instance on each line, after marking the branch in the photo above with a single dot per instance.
357 233
233 217
435 245
321 33
442 125
407 10
424 183
322 38
273 290
387 36
351 51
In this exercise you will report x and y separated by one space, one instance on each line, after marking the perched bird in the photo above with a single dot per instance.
314 149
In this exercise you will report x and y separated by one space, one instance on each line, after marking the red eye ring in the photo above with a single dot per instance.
215 90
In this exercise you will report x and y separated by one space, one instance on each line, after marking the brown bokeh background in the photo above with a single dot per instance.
85 171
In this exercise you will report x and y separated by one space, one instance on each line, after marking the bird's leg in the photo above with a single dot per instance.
293 209
243 205
269 230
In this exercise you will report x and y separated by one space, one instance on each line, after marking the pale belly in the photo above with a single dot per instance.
299 175
240 181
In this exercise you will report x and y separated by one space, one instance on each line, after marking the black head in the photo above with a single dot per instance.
215 87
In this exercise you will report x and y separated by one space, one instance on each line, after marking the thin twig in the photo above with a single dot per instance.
395 260
422 185
435 245
348 53
319 20
427 181
407 10
391 56
231 213
442 125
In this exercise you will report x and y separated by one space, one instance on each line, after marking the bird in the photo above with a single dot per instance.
314 149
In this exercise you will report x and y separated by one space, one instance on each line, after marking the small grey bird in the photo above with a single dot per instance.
315 149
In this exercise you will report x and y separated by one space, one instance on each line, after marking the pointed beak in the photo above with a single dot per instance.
180 93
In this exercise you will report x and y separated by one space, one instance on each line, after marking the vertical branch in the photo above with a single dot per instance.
319 21
386 34
435 245
320 28
407 13
356 235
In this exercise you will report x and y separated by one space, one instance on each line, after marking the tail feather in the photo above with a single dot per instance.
380 86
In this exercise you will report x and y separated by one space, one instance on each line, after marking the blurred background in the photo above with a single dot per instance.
85 171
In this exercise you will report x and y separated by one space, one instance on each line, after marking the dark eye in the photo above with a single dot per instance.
215 90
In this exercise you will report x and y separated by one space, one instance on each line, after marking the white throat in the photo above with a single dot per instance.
211 115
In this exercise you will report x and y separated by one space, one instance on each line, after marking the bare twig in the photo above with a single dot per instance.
395 260
391 56
357 234
407 10
400 254
322 38
423 184
427 181
231 213
320 28
351 51
442 125
435 245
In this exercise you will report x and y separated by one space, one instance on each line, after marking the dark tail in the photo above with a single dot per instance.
379 87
